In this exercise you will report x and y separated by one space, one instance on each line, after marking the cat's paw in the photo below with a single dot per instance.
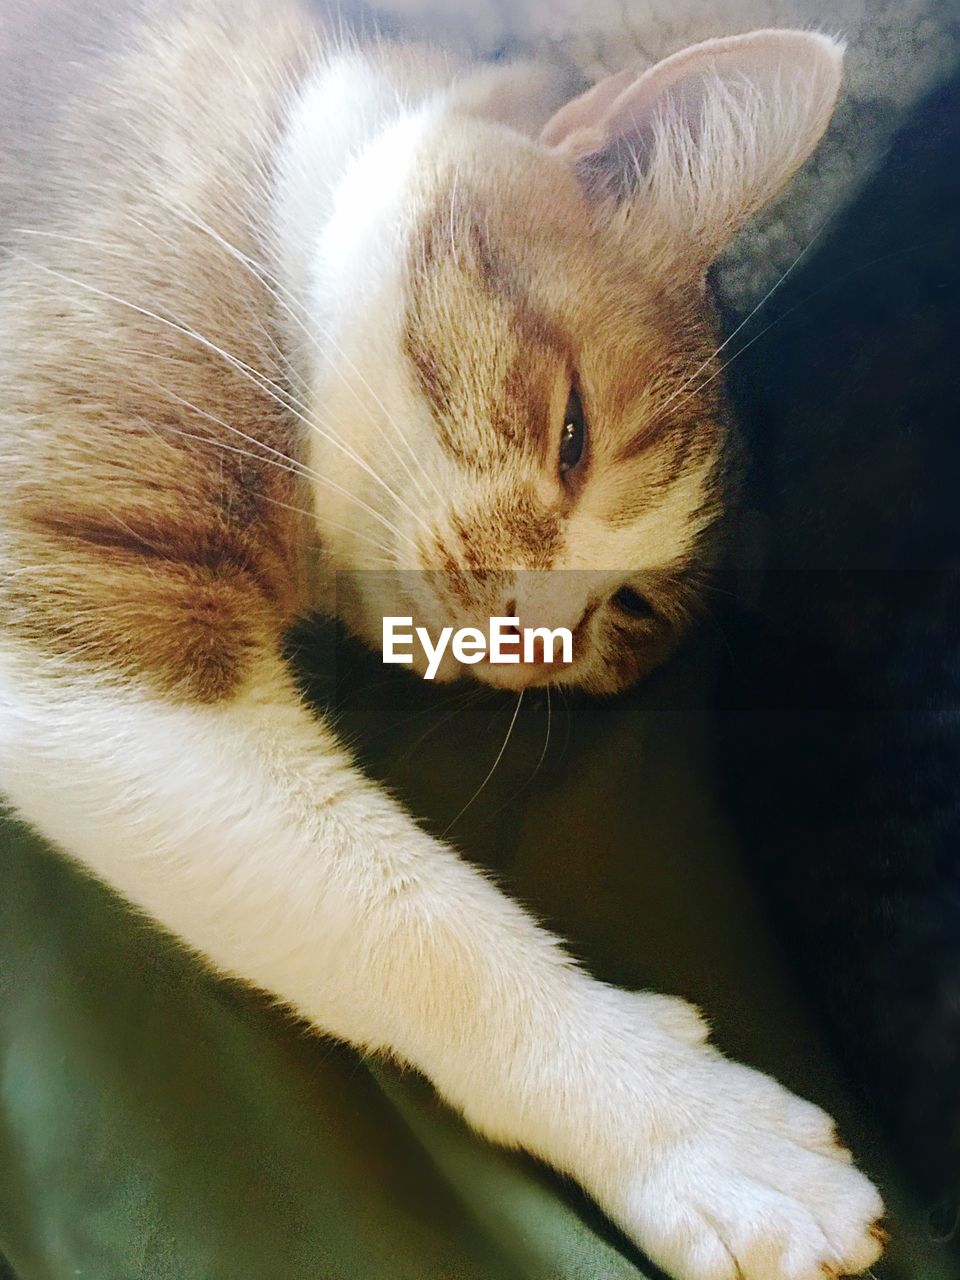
722 1174
748 1182
714 1169
759 1191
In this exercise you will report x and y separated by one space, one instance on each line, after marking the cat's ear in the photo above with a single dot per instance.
689 149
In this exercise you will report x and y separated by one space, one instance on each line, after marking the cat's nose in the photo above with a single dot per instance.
534 652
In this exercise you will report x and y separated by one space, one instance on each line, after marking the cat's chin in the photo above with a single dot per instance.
516 677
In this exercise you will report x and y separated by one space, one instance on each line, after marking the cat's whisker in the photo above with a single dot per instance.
284 463
702 368
565 699
303 468
762 333
288 301
232 360
313 425
112 250
415 477
546 740
286 399
298 407
454 247
706 585
493 767
259 458
537 767
736 356
388 561
286 369
461 703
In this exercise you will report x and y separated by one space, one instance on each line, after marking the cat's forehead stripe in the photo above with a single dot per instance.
480 349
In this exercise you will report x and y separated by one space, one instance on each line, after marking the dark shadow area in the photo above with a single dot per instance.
843 733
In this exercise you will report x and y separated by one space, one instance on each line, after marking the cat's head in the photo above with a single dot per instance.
525 354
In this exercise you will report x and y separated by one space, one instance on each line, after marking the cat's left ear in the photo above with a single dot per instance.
688 150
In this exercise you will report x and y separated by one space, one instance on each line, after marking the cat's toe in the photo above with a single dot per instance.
721 1225
675 1017
844 1203
758 1189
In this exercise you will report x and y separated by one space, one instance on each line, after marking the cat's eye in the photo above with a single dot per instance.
573 437
633 603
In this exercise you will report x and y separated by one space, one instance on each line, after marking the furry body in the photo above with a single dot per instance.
229 247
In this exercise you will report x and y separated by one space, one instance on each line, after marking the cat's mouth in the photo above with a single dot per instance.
443 662
513 679
521 675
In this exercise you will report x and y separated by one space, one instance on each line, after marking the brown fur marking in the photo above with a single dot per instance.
139 535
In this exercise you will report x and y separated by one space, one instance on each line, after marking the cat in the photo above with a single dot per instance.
295 322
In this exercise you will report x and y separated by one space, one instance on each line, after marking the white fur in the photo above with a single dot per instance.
346 195
381 936
245 830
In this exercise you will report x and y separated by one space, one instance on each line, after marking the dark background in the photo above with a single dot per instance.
845 692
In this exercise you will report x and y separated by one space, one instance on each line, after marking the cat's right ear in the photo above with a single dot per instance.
685 152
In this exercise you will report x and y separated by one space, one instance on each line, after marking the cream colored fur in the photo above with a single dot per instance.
239 822
898 50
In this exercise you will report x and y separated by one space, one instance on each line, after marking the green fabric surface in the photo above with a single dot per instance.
158 1122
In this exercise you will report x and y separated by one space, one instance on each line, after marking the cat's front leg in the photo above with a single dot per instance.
244 829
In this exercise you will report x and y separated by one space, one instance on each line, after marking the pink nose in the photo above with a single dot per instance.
538 651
